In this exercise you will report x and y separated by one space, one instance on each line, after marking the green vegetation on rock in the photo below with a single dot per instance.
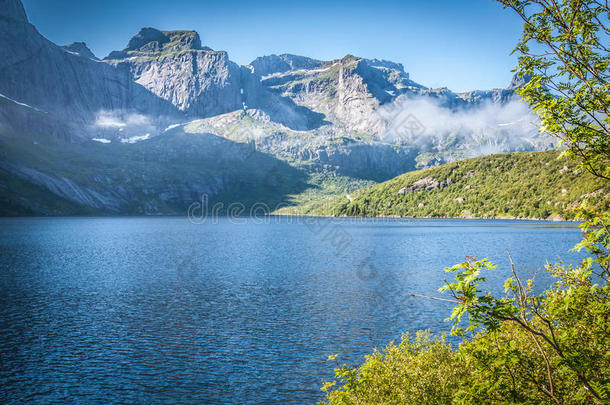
516 185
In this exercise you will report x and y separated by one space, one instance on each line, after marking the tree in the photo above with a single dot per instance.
568 88
564 51
563 334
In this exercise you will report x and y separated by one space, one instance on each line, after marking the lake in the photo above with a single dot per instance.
141 310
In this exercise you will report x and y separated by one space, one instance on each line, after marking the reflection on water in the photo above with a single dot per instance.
161 310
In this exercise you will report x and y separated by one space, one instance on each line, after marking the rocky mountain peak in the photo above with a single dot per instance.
13 9
153 42
349 59
147 39
81 49
386 64
476 97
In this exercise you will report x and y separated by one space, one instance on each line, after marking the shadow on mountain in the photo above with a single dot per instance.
279 108
296 117
42 175
367 161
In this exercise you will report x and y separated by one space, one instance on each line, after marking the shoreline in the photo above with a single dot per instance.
554 219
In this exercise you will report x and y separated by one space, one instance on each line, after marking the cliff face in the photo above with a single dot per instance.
71 87
13 10
200 81
174 66
347 91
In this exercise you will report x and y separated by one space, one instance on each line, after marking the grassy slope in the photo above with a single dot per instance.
520 185
324 185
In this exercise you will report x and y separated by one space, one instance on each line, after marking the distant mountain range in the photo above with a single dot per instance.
149 128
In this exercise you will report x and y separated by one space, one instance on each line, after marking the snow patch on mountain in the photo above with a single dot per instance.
20 103
135 139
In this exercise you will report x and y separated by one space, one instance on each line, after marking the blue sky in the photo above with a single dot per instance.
463 45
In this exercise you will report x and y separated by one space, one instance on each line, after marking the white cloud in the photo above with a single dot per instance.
484 129
112 119
170 127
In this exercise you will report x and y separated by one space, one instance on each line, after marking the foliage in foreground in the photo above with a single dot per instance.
420 370
526 349
564 51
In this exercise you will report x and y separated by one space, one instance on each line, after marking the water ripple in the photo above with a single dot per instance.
140 310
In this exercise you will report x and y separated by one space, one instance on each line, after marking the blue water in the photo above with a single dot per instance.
141 310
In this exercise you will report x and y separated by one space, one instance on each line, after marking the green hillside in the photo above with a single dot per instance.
541 185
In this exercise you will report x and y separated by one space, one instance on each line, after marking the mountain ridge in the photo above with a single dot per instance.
351 119
200 82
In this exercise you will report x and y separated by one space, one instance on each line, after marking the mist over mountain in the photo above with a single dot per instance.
116 132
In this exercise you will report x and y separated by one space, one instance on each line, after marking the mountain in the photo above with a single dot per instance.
13 9
526 185
200 81
174 66
69 124
70 87
346 91
339 123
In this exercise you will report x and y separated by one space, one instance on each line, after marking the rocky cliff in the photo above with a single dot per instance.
174 66
346 91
